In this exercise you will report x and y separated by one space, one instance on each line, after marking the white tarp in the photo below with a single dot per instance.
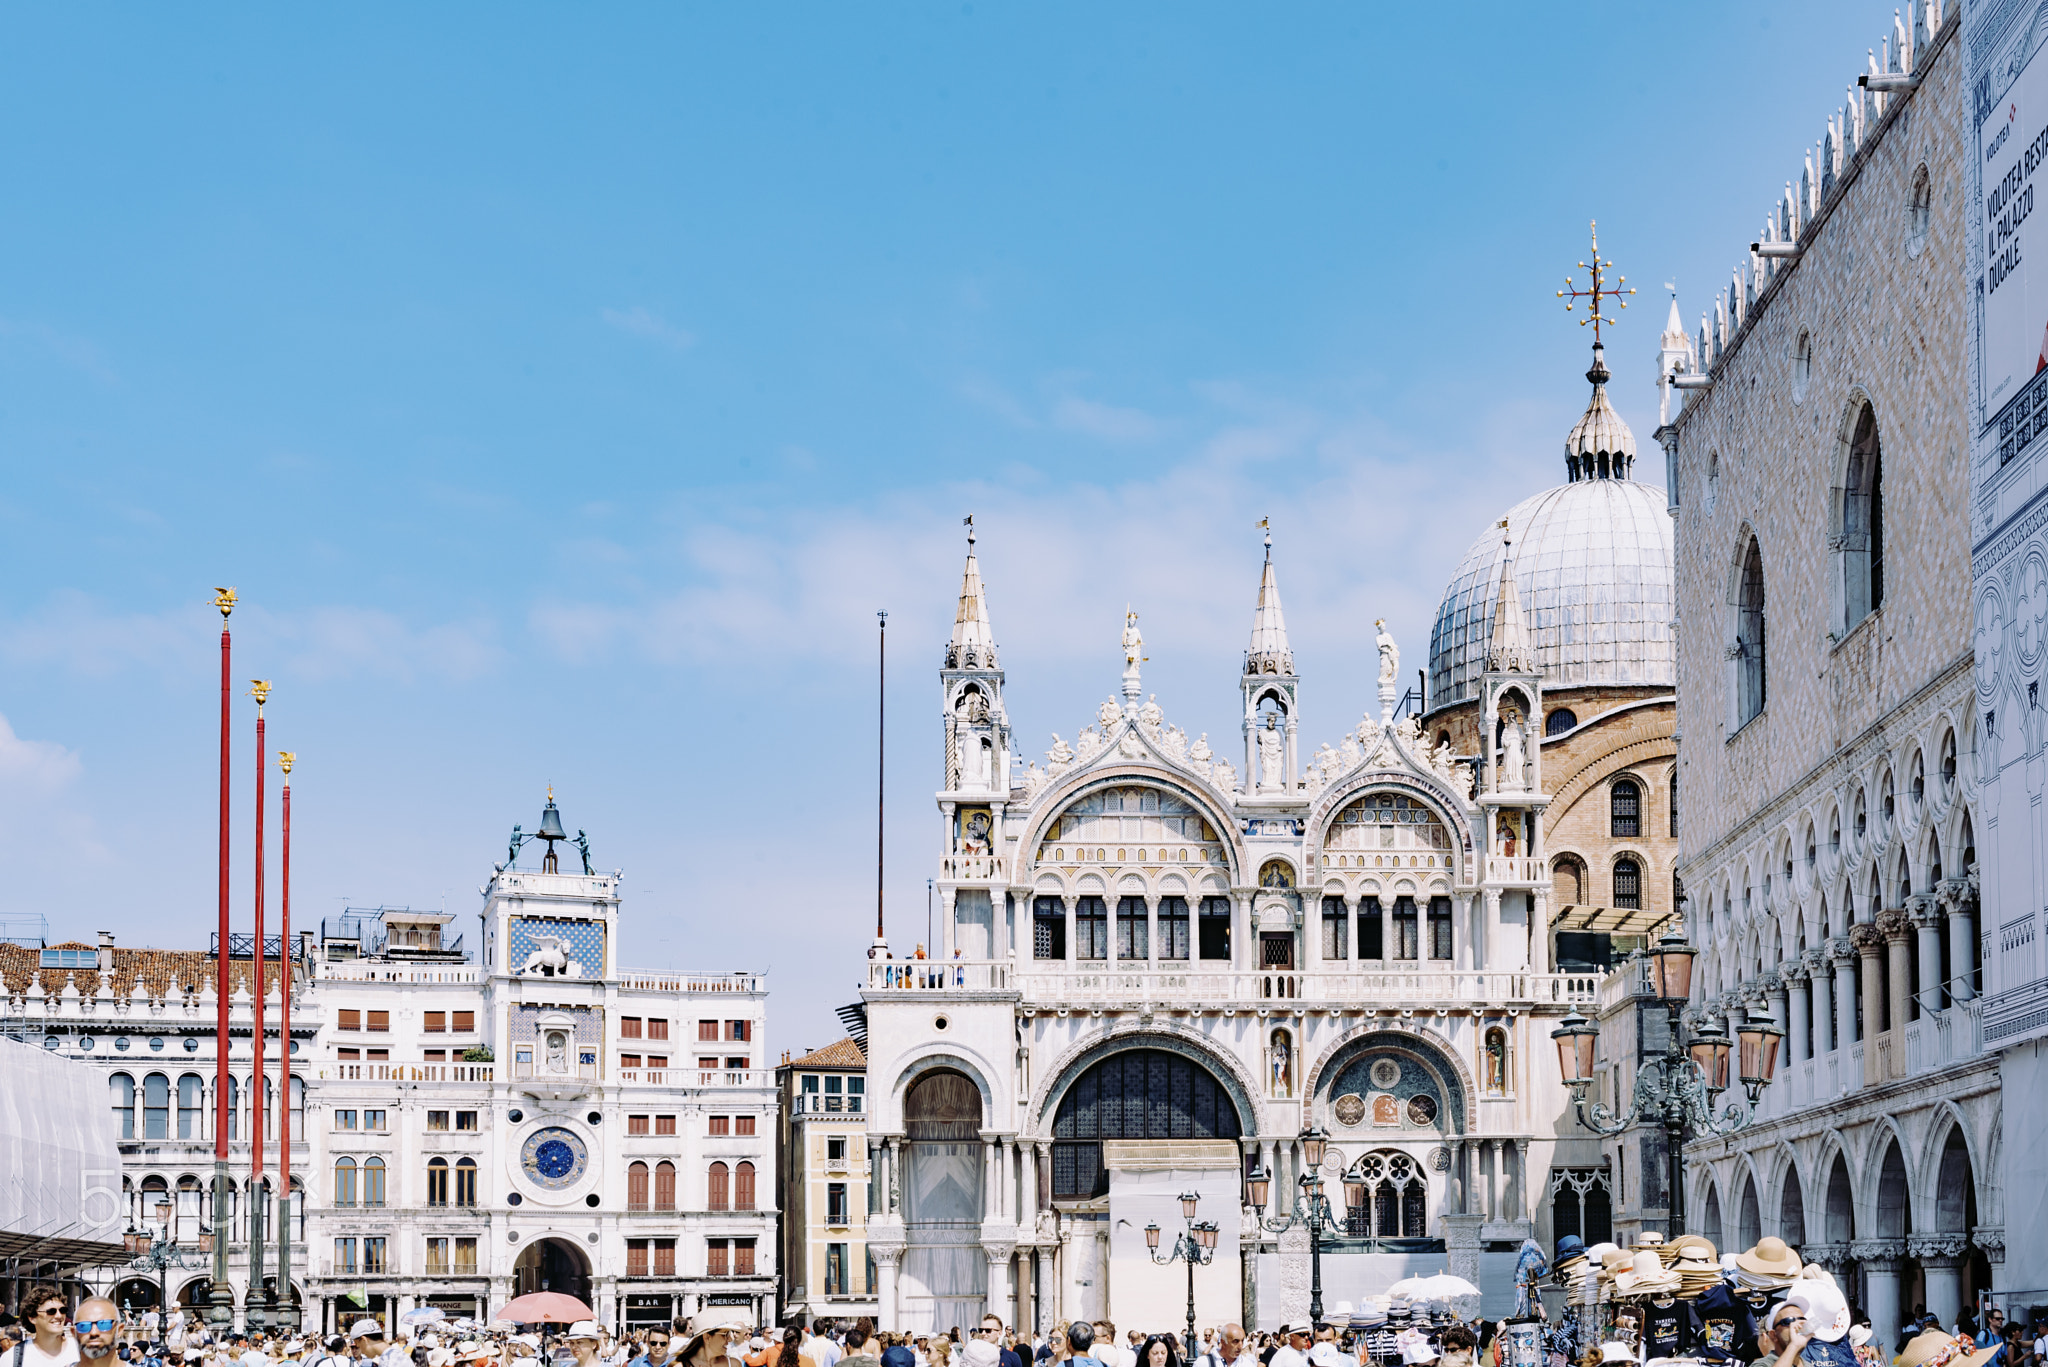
60 1163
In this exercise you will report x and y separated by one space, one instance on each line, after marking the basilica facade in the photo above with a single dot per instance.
1162 965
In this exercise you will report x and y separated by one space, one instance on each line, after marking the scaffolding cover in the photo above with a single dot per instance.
60 1161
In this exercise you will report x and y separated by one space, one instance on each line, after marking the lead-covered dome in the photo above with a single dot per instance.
1593 569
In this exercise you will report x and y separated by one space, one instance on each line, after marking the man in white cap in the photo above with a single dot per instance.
1295 1338
367 1343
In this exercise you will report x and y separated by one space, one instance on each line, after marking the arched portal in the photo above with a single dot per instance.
945 1274
552 1265
1792 1211
1841 1216
1710 1218
1748 1216
1951 1280
1133 1094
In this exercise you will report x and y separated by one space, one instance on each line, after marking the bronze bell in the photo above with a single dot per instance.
551 823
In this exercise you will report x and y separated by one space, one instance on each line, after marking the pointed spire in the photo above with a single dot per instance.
974 641
1269 652
1674 326
1508 652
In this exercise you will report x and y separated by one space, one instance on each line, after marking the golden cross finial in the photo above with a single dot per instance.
551 793
1599 292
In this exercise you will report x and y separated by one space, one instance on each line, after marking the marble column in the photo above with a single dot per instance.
1798 1037
1962 939
1926 916
1522 1211
1070 901
886 1258
1492 1179
1869 943
1152 954
1822 979
999 1298
1842 954
1461 1186
1880 1259
1941 1258
895 1160
1897 928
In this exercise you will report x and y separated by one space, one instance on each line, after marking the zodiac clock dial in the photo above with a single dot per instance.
553 1158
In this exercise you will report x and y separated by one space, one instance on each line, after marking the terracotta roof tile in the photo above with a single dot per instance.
844 1054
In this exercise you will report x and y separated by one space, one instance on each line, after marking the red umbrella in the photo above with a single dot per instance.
544 1307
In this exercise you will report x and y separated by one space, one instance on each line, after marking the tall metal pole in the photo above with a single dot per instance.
881 755
287 1316
258 1078
1674 1132
1315 1264
221 1310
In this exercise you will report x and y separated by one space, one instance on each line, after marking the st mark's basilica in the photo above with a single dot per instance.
1162 963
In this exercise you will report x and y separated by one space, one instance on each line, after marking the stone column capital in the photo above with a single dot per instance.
1990 1238
1894 924
1769 981
1944 1248
1840 950
1878 1255
1866 938
1794 971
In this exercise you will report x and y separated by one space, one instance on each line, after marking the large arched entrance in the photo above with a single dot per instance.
552 1265
1132 1095
945 1274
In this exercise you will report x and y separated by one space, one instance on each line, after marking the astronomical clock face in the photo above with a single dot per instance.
553 1158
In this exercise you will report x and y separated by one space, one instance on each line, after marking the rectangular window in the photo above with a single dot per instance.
1133 935
1173 927
716 1254
719 1124
743 1124
636 1124
629 1028
373 1255
707 1032
437 1256
344 1255
856 1088
1213 926
709 1061
834 1101
835 1203
1091 928
835 1148
738 1030
435 1023
1372 943
731 1062
374 1121
1406 939
348 1019
465 1255
465 1120
743 1257
465 1023
1048 928
380 1020
664 1257
437 1120
435 1056
1439 927
835 1270
378 1056
1336 928
348 1055
629 1060
657 1060
657 1027
636 1257
1628 884
664 1124
344 1120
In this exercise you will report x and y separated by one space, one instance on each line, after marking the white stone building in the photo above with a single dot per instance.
1827 709
467 1125
2007 71
1161 964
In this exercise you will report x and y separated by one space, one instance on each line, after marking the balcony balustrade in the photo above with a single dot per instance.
1071 985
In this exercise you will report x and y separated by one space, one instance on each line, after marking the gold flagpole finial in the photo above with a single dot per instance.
259 689
285 760
1598 292
224 599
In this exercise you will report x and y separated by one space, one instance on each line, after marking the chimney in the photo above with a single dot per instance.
106 955
306 945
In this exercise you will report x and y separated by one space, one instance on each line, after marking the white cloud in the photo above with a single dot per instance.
34 768
1106 421
645 323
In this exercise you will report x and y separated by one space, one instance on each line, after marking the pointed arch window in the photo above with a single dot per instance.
1748 654
1860 529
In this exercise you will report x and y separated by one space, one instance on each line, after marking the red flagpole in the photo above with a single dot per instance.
284 1041
221 1310
257 1077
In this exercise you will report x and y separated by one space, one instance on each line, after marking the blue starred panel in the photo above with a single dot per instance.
583 941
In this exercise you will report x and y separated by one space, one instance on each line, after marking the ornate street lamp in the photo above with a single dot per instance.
1682 1085
1310 1208
1196 1248
157 1250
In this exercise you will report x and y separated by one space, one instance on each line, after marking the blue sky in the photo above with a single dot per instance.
564 388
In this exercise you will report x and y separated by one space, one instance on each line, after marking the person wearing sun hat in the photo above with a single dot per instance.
1938 1348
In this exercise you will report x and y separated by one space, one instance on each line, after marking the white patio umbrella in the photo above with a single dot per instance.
1442 1287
